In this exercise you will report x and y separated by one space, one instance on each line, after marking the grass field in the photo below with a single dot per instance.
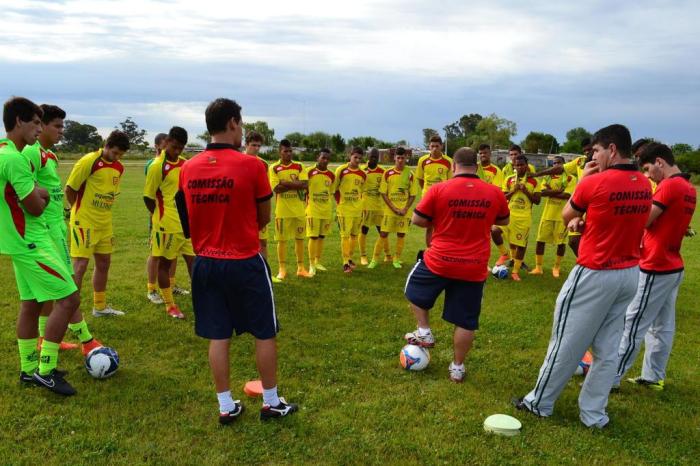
339 360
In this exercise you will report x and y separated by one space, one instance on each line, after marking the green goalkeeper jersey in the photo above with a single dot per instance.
45 165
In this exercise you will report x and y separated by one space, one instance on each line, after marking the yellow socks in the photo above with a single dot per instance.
502 249
353 245
345 248
151 287
319 249
99 299
299 252
557 261
312 250
363 245
400 241
378 247
539 261
282 256
167 297
516 266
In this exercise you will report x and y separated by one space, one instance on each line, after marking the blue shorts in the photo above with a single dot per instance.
230 295
462 299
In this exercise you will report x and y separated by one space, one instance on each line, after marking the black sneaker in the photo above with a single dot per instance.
347 268
520 405
229 417
55 382
281 410
525 267
28 379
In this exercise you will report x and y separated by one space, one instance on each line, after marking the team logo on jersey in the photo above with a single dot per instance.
115 180
441 170
100 164
327 183
633 177
167 166
211 159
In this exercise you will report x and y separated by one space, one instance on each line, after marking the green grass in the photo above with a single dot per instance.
339 360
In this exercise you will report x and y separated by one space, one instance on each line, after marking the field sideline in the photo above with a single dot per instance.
338 359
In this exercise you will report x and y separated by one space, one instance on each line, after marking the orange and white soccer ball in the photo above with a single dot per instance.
414 358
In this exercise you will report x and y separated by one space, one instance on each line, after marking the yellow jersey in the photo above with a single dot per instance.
289 203
372 199
552 205
490 174
509 171
97 182
320 193
162 183
575 166
433 171
350 184
398 187
519 204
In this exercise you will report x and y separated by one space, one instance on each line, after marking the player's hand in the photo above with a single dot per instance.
689 233
577 224
44 194
590 168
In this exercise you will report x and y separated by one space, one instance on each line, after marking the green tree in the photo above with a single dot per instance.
492 130
205 136
317 140
468 123
80 137
689 162
427 134
574 138
136 135
337 144
536 142
295 138
364 142
681 148
262 127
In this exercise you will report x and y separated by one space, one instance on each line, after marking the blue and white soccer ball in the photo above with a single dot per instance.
102 362
500 272
414 358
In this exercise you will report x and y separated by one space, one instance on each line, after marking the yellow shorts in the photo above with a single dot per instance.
551 232
372 218
86 241
394 224
517 231
349 226
170 245
290 228
316 227
573 233
262 234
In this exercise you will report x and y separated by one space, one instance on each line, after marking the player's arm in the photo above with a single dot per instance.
424 211
535 196
420 221
33 198
549 171
264 209
78 176
656 210
181 205
390 204
151 187
419 172
412 193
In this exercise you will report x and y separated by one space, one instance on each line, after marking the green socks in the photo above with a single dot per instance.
42 325
81 331
28 355
49 357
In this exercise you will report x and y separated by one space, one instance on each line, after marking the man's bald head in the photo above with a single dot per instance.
465 157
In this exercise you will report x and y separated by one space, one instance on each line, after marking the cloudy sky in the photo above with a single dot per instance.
381 68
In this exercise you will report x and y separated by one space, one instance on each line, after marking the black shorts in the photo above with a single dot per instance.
230 295
462 299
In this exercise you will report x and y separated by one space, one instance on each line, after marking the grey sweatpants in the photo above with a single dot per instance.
590 312
651 315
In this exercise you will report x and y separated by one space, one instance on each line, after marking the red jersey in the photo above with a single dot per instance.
661 244
462 210
222 188
617 204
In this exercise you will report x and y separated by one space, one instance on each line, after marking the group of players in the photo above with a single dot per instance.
49 272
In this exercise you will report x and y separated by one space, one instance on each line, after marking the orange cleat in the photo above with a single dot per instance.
503 259
90 345
515 277
303 273
175 312
64 345
536 271
555 272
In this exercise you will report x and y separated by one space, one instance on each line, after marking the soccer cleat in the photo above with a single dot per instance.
177 291
515 277
276 280
28 379
320 268
373 264
55 382
396 264
352 264
520 405
107 311
312 270
303 273
281 410
457 374
281 275
502 259
347 268
425 341
363 260
229 417
154 297
90 345
555 272
525 266
658 386
536 271
175 312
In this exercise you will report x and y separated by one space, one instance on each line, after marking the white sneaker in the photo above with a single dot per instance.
177 291
457 374
154 297
414 338
108 311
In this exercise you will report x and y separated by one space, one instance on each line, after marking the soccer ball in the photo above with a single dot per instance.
414 358
500 272
584 364
102 362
